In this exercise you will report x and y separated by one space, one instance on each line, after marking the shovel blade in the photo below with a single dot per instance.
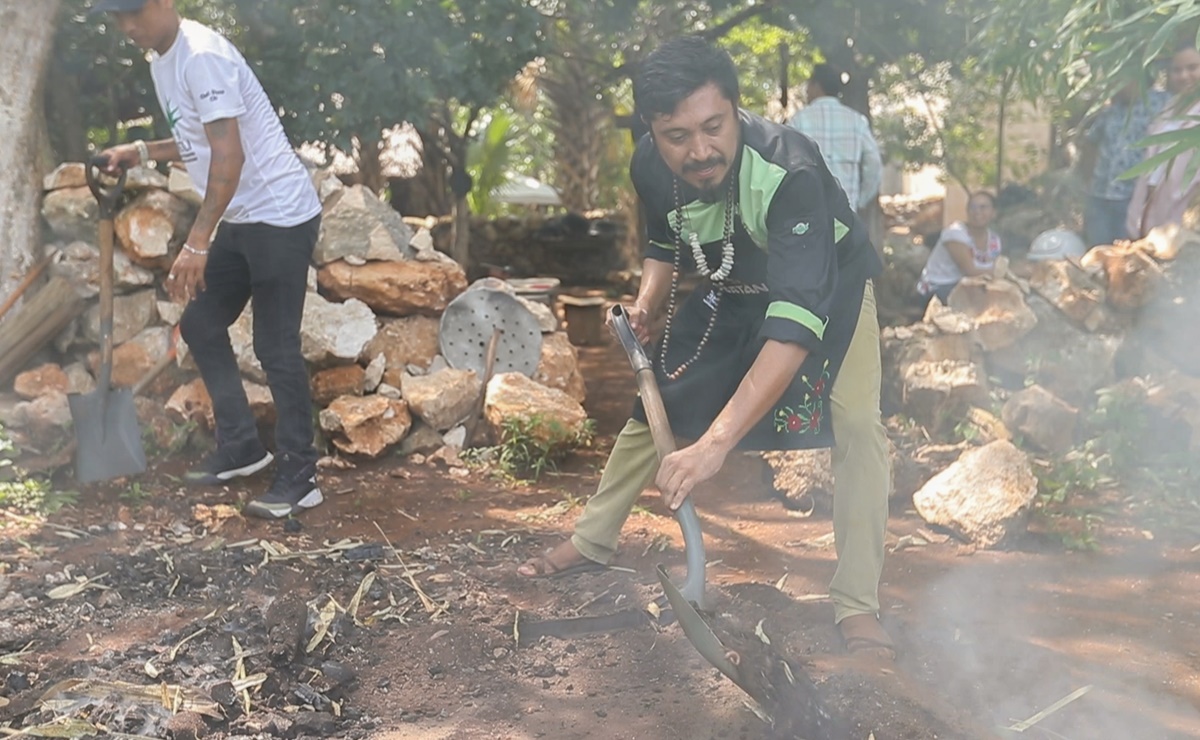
108 440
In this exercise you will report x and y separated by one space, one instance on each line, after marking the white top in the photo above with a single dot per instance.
846 143
941 269
203 78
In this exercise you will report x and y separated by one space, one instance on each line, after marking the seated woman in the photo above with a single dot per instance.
964 249
1162 196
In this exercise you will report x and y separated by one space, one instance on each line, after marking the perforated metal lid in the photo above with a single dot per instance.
467 326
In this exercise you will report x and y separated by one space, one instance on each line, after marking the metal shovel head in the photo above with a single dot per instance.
108 441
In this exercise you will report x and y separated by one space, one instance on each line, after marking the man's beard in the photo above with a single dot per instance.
716 191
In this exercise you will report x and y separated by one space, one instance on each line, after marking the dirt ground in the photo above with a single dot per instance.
234 618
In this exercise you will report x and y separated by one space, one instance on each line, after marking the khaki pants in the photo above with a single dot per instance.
861 470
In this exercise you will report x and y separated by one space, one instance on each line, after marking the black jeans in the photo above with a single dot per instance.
267 265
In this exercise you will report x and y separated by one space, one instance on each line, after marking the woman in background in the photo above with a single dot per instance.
965 249
1162 196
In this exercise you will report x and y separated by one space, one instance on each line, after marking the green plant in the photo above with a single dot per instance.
24 493
135 494
531 445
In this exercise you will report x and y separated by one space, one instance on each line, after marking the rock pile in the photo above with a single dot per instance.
370 331
1020 364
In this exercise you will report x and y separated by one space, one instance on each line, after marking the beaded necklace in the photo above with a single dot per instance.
716 276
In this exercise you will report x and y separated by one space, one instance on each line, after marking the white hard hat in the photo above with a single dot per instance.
1056 244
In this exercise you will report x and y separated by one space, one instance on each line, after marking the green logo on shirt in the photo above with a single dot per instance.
800 229
172 115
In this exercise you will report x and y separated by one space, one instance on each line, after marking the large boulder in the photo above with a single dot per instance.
356 224
366 425
944 336
400 288
550 415
330 384
984 497
937 394
134 358
38 381
1076 294
131 314
442 399
412 340
71 213
1132 275
80 266
46 420
559 366
997 308
335 332
66 175
1041 418
152 227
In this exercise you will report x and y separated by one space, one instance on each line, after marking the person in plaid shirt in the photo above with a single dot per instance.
844 135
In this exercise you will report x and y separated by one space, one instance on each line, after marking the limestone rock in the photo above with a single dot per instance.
423 249
1131 274
1164 242
327 184
332 332
399 288
46 419
79 380
71 213
131 314
442 399
344 380
984 496
798 472
997 308
366 425
412 340
422 439
191 403
80 266
39 381
241 338
547 321
152 227
938 393
145 178
1042 419
902 346
134 358
357 223
170 312
180 184
1075 293
66 175
555 417
262 403
559 366
373 375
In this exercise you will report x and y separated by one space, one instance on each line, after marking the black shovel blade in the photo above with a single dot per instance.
108 440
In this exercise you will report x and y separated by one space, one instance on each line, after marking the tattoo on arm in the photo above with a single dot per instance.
224 174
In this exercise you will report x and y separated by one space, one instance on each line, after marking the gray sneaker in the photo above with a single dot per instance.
294 490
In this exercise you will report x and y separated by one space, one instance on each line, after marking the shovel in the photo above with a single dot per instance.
108 441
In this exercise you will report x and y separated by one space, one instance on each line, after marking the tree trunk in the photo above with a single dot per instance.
460 247
581 124
26 35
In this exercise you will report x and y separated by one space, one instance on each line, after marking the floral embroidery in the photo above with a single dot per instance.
805 417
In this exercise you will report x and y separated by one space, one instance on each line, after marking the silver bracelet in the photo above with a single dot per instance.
142 150
193 250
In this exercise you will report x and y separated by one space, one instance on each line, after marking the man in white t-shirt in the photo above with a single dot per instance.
252 240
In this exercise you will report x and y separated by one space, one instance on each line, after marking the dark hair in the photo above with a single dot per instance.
829 78
983 194
679 68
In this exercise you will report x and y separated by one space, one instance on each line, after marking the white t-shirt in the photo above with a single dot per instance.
203 78
941 269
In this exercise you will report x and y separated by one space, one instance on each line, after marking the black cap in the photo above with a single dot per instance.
104 6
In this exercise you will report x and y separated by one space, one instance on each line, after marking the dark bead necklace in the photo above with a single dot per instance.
680 245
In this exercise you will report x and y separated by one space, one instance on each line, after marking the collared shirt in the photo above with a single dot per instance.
1115 131
849 149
